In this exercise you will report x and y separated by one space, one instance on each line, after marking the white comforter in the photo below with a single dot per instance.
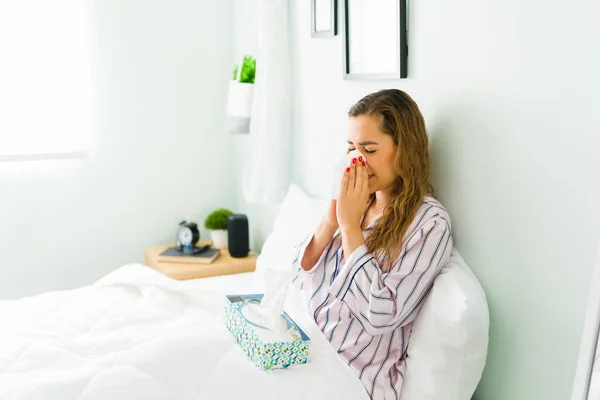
136 334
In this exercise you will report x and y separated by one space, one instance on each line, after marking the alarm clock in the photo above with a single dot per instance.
187 236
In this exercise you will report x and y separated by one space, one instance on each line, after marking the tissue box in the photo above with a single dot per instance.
266 349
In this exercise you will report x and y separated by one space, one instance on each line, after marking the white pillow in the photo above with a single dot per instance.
298 216
448 345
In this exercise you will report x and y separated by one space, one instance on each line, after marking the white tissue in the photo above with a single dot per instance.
340 168
276 284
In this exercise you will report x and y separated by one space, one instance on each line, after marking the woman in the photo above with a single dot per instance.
373 258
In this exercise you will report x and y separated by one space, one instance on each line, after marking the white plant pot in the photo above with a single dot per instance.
219 238
239 107
239 100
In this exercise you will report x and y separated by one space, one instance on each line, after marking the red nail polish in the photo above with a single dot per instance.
347 169
364 164
354 161
360 158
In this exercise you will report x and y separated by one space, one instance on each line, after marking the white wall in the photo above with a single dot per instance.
509 92
158 155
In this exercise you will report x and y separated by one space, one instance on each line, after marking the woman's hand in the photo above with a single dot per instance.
354 194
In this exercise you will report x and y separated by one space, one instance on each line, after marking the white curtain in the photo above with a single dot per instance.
266 176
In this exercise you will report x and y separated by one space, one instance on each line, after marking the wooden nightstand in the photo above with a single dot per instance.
223 265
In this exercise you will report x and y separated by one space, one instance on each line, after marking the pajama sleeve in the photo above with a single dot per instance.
383 302
299 275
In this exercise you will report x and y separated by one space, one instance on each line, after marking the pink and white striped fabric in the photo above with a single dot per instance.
367 315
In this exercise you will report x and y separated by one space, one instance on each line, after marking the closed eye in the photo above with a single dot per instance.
365 150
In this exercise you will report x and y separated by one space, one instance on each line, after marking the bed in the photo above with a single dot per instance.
135 334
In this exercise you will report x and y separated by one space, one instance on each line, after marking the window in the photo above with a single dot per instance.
45 79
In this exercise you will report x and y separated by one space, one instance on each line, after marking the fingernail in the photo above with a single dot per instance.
354 161
347 169
360 158
364 164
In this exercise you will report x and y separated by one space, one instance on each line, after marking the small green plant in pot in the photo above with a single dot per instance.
248 72
241 96
216 223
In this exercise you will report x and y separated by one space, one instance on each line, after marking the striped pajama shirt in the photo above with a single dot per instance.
367 315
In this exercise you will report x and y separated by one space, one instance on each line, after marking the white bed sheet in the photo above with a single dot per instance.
136 334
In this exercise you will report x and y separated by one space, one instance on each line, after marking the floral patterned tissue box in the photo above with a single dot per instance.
266 349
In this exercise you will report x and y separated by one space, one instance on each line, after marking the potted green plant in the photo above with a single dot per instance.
241 94
248 71
216 223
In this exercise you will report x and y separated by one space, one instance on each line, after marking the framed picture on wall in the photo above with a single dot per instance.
323 18
375 39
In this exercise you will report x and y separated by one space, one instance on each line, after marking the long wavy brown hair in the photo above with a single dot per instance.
400 117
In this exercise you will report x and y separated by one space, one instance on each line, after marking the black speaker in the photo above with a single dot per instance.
238 235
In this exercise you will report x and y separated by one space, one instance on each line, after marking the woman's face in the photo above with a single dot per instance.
379 149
